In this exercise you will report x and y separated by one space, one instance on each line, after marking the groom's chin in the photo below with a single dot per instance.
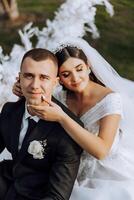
34 101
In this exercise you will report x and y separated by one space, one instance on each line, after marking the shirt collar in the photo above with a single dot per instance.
27 115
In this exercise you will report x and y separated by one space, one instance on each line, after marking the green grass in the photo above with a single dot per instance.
30 10
117 36
117 33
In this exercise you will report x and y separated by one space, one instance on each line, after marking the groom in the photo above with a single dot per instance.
45 159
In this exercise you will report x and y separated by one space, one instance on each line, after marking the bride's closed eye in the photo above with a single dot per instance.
65 74
79 68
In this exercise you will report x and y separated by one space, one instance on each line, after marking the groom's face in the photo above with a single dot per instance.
37 78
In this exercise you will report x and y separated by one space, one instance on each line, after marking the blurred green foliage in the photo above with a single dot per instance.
116 43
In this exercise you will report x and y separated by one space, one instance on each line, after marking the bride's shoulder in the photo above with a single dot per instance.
109 100
101 92
105 93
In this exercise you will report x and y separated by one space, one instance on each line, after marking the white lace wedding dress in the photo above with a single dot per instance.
113 177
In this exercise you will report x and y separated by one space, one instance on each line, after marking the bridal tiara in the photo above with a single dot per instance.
62 46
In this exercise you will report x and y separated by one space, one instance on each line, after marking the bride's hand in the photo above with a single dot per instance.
49 112
17 89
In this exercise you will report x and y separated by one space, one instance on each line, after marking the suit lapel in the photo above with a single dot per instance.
40 132
15 124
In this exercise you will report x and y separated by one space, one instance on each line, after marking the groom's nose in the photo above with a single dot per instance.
35 84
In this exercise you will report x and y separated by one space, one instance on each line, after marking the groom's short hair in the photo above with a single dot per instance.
39 54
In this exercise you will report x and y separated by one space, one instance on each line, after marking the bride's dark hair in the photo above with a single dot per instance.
67 52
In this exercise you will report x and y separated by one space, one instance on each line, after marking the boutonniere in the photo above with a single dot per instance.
37 149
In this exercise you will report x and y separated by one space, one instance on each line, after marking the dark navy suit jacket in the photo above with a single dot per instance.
50 178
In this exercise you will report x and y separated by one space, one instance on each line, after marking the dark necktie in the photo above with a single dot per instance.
31 125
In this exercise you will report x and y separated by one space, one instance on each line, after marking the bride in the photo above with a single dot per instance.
103 100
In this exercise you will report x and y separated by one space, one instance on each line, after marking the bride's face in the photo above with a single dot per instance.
74 74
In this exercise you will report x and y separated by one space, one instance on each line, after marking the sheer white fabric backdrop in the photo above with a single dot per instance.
71 17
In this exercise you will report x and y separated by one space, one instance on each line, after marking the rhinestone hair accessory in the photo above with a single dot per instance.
64 45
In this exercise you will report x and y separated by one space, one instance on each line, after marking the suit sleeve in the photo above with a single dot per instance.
2 146
64 170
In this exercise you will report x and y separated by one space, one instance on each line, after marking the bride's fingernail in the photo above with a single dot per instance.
43 97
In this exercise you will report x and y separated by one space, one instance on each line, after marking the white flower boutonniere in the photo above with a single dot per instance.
37 149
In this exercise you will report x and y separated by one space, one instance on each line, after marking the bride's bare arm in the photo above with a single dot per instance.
98 146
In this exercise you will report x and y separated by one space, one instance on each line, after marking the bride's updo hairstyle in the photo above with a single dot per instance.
67 52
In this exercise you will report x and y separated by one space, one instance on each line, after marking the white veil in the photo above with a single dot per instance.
110 78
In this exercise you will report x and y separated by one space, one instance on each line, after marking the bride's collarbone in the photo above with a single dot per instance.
79 108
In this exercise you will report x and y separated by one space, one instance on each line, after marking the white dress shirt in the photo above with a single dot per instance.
24 125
